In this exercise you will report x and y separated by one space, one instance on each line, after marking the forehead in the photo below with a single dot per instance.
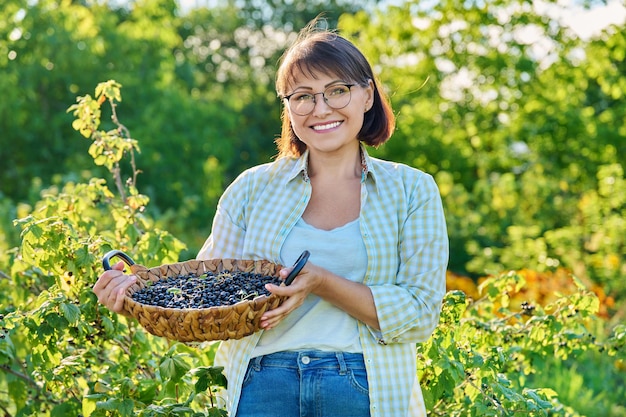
318 80
305 70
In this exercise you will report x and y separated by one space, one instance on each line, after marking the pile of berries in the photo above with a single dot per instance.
204 291
527 308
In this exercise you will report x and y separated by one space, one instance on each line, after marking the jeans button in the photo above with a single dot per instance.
306 360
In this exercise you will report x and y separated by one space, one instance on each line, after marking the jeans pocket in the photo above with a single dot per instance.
358 379
343 394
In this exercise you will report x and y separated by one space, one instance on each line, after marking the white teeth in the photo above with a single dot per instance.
326 126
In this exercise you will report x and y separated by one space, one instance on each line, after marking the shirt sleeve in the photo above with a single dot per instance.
408 310
228 231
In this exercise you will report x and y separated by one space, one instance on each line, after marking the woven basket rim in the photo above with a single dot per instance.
255 306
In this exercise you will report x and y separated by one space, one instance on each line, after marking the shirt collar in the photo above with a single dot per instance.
366 163
368 169
301 167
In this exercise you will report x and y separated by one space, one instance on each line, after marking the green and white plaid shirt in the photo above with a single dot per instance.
404 231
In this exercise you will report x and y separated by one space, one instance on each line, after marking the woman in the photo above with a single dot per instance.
343 342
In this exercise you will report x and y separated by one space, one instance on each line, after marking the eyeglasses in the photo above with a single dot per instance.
336 96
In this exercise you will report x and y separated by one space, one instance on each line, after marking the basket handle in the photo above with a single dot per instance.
297 267
106 260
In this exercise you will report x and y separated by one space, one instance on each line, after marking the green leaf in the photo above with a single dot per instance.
62 410
71 313
148 390
78 124
173 367
102 160
209 376
122 407
83 256
89 404
7 350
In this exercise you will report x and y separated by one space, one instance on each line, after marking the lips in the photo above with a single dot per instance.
326 126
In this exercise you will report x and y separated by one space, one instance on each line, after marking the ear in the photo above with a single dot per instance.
369 95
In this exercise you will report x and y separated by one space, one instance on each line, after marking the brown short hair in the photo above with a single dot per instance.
322 51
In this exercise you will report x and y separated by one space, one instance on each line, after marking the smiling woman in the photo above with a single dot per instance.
324 54
343 342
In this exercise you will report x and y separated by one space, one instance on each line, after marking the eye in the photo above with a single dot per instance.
301 97
337 90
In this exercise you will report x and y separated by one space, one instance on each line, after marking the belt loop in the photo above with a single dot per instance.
342 363
256 363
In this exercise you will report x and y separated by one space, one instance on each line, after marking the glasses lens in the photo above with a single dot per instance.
302 103
336 96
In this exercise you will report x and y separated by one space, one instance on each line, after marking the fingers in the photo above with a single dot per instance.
119 266
305 283
268 324
111 287
271 318
283 273
105 278
120 294
295 298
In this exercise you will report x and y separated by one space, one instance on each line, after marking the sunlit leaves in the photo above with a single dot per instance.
71 313
209 377
87 113
483 350
526 149
58 336
173 367
109 90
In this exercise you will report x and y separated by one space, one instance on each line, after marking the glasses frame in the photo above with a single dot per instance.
287 97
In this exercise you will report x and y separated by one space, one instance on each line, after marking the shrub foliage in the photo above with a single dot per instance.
63 354
519 119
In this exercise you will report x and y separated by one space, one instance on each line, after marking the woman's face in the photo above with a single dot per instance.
326 129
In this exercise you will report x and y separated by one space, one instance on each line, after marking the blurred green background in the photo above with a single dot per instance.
516 107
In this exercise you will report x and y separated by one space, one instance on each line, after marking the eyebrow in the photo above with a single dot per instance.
339 81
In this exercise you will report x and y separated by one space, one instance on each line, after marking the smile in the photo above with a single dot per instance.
326 126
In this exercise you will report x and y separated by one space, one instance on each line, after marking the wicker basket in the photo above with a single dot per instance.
198 324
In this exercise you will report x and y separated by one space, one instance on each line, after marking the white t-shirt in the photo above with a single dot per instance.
317 324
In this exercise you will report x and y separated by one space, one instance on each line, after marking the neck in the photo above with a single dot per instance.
344 165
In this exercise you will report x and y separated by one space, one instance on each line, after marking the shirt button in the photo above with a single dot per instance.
306 360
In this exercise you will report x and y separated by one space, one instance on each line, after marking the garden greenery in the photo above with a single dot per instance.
527 149
63 354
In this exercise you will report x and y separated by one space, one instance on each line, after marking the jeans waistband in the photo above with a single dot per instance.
311 359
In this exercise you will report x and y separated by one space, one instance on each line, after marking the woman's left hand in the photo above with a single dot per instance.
355 298
310 277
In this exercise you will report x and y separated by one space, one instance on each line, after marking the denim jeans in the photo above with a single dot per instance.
305 384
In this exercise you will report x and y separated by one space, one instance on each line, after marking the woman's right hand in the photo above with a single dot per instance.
111 287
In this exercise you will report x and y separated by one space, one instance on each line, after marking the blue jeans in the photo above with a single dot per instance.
305 384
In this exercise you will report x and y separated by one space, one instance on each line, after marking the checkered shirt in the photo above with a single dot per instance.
404 231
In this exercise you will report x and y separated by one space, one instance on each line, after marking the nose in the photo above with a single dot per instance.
321 107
